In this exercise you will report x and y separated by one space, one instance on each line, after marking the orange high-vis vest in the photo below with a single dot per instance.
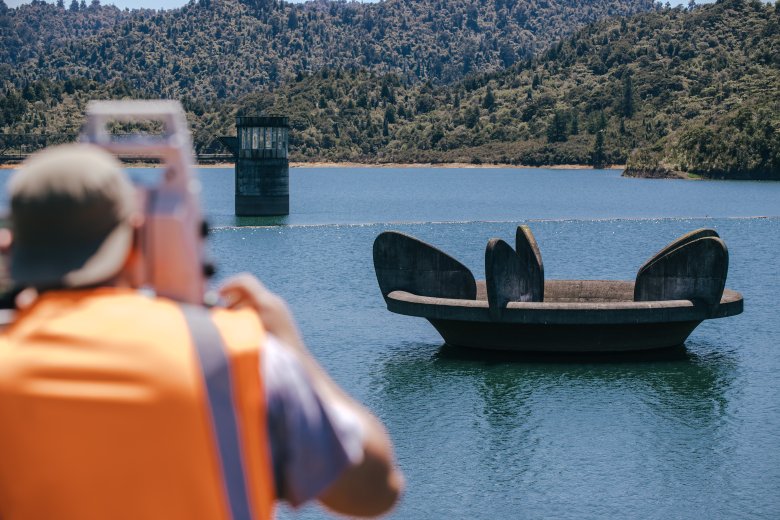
109 411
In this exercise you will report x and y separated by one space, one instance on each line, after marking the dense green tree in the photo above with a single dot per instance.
390 114
627 105
556 130
489 102
575 124
292 19
598 157
471 116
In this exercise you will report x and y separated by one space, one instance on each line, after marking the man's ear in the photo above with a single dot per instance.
6 240
135 269
136 221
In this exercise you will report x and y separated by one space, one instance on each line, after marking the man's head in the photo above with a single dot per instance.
71 211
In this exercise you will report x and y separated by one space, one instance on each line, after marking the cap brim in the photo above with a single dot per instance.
53 265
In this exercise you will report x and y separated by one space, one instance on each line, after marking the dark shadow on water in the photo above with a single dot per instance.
450 352
505 396
688 383
677 380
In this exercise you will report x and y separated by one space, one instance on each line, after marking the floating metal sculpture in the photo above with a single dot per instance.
514 308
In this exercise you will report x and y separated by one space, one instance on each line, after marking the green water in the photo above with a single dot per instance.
688 434
692 433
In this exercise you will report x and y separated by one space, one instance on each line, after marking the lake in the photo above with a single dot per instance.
692 433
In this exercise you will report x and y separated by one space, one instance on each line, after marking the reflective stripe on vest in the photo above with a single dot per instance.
215 368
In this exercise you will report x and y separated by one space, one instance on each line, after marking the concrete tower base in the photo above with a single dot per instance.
262 168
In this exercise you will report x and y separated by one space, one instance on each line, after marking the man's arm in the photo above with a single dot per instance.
372 487
368 488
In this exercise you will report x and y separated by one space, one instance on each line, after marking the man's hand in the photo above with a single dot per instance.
244 290
369 488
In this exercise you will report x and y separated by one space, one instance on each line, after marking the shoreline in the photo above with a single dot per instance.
448 165
323 164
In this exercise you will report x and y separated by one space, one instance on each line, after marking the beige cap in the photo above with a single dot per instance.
70 211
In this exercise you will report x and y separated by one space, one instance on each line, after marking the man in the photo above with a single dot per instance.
117 404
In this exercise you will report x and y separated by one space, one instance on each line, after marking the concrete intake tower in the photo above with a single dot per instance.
262 168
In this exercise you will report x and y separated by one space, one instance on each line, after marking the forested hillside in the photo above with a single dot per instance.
671 91
218 49
666 91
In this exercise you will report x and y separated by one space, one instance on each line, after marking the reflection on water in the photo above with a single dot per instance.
551 427
279 220
671 382
454 353
672 379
